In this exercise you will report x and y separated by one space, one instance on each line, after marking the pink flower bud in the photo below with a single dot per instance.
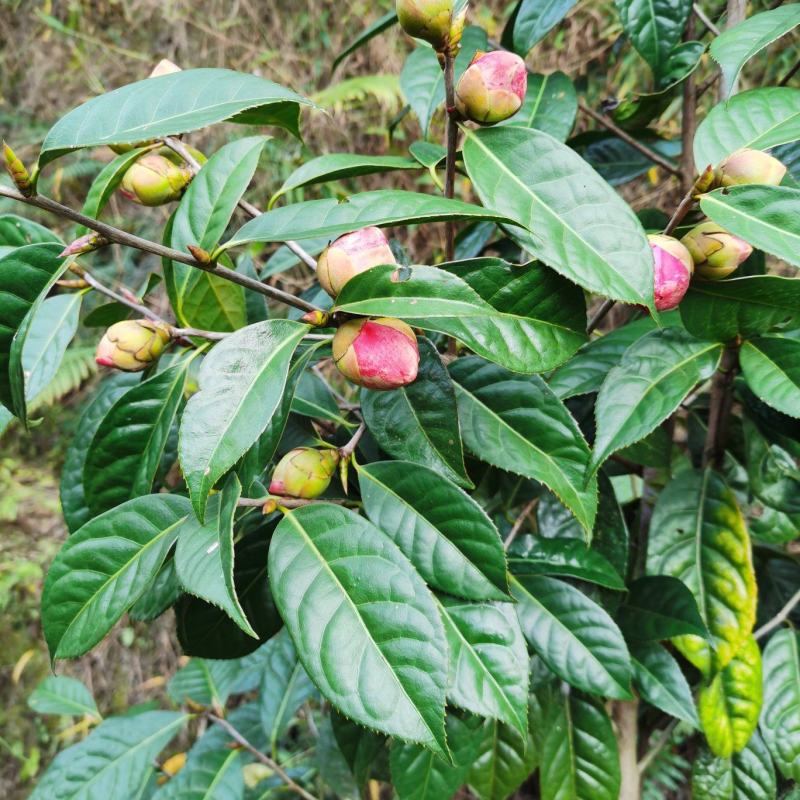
377 353
750 166
351 254
85 244
132 345
715 252
673 270
304 472
492 88
433 21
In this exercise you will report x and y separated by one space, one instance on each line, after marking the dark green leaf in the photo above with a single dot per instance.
550 105
591 237
505 759
379 26
171 104
516 423
207 683
712 778
159 596
771 367
768 217
241 384
17 232
753 772
419 423
313 398
697 534
58 694
103 568
339 583
651 380
210 775
444 533
573 635
659 680
363 749
533 20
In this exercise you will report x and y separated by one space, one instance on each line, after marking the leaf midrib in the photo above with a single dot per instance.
711 200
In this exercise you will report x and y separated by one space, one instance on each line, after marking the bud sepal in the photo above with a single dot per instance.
715 252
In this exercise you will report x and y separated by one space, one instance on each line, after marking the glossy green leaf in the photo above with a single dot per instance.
433 299
313 398
52 328
516 423
205 630
531 21
771 367
729 706
712 777
768 217
332 217
103 568
199 298
365 751
550 105
162 593
753 772
733 48
746 307
59 694
204 556
113 757
590 236
780 714
338 166
17 231
418 774
654 28
585 372
505 759
573 635
651 380
569 557
26 275
285 686
443 532
172 104
771 470
660 682
210 775
338 583
419 422
105 184
241 385
126 451
379 26
207 683
698 534
488 660
660 607
579 758
72 493
758 119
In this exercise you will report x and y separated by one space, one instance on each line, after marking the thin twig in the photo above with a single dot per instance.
519 522
652 754
719 412
119 298
701 15
451 144
688 117
180 148
780 617
600 315
286 502
264 759
350 448
145 245
790 74
610 125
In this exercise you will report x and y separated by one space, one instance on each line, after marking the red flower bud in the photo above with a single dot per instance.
377 353
673 270
351 254
750 166
433 21
304 472
492 88
715 252
132 345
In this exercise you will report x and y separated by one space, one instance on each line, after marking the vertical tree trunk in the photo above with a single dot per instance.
624 714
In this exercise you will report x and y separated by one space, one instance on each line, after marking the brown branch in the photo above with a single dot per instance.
701 15
451 144
721 402
790 74
688 119
350 448
610 125
130 240
264 759
519 522
600 315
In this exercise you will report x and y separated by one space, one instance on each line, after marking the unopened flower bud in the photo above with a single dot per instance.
351 254
715 252
200 255
156 179
434 21
317 318
304 472
16 169
750 166
85 244
164 67
673 270
492 88
377 353
132 345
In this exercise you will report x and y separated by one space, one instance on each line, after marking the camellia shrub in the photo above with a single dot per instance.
444 526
